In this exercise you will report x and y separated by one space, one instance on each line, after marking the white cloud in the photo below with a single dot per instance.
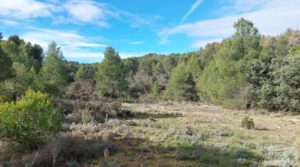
270 17
83 54
136 42
23 9
79 12
192 9
86 11
9 22
85 44
72 44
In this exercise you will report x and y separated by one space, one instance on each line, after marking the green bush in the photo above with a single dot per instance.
5 97
274 85
31 120
248 123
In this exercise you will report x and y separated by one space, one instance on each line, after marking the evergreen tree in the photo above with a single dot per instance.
53 72
85 72
6 70
155 90
224 79
181 85
111 75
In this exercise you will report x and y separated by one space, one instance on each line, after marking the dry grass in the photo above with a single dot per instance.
222 127
176 134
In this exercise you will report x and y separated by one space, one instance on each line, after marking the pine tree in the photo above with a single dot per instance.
224 79
155 91
181 85
53 72
6 70
111 75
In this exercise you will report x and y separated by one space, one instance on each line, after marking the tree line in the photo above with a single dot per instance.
246 70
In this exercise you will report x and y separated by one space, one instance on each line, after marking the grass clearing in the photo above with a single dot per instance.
176 134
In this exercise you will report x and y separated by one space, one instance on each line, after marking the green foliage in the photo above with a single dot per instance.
274 85
24 78
111 75
295 50
219 157
224 78
155 90
248 123
71 68
6 70
181 85
30 120
280 46
26 62
85 72
144 71
194 65
86 117
53 72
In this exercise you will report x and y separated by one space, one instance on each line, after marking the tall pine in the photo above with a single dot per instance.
53 72
111 75
6 70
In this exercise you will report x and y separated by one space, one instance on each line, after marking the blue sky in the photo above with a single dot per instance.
83 28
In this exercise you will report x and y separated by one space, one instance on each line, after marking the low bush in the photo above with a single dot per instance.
30 120
116 105
248 123
86 117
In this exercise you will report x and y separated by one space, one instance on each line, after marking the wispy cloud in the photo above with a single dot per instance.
9 22
164 35
72 44
23 9
192 9
271 17
136 42
80 12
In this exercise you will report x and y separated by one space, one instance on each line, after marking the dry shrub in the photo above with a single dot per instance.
66 106
116 105
73 149
99 111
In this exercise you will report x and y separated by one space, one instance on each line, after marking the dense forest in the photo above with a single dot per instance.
245 71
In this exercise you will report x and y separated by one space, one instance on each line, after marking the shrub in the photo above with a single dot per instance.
86 117
30 120
5 97
248 123
116 105
274 85
74 151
